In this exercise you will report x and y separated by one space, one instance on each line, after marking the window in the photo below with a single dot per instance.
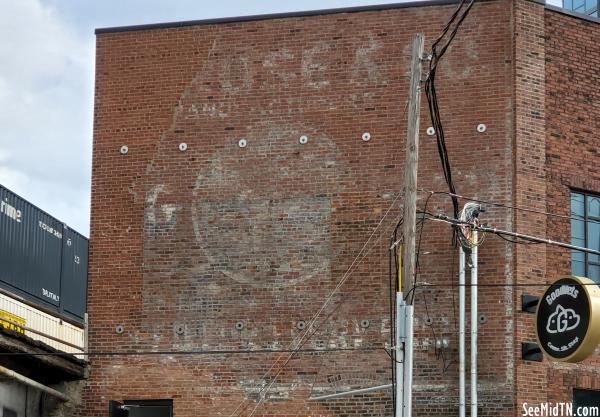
588 7
585 231
141 408
585 398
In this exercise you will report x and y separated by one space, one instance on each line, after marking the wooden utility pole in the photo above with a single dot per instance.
404 311
411 166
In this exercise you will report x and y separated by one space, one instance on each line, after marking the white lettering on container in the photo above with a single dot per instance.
50 229
10 211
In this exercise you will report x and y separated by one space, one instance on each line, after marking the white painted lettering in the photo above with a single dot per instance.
10 211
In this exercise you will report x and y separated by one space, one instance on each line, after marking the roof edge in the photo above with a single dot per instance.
572 14
251 18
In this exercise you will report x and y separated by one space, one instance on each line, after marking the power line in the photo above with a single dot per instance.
305 336
425 301
432 100
504 284
493 230
312 321
217 352
348 274
492 203
423 213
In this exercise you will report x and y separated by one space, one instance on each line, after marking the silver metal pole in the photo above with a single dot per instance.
400 353
408 361
9 373
474 315
461 333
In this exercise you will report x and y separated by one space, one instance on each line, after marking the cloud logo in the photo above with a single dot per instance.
562 320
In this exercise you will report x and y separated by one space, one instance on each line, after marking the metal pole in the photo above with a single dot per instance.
461 332
400 353
408 361
30 382
474 328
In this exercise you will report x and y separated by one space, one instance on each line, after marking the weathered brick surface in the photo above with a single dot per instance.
573 162
217 234
530 186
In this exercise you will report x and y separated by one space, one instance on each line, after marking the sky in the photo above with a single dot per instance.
47 82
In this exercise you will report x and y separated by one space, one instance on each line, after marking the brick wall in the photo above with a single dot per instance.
573 162
530 186
201 239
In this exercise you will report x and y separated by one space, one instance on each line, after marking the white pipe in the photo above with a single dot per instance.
408 363
461 333
474 319
400 354
352 392
30 382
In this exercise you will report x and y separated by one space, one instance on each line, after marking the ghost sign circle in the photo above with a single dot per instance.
568 319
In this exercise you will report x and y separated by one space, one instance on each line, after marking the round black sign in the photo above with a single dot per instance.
567 319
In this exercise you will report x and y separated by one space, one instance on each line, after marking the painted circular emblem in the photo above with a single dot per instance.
568 319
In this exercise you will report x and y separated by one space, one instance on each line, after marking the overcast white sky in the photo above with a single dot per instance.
46 86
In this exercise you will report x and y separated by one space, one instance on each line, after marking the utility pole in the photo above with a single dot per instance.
404 310
411 166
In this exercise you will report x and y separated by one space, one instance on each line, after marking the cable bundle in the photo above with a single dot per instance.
437 52
470 214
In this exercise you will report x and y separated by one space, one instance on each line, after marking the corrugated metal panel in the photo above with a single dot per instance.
73 291
43 324
36 252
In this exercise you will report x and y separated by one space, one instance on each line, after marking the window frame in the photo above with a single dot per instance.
586 218
582 9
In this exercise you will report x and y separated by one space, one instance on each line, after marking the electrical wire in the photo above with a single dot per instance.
438 353
504 284
508 206
418 252
394 243
216 352
392 321
393 283
349 290
528 238
309 327
437 52
470 215
261 399
517 241
335 289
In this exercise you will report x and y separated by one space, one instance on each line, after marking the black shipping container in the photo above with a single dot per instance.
41 259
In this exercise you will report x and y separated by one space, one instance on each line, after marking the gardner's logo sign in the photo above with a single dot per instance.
568 319
562 320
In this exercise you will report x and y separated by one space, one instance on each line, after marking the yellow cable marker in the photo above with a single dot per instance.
399 268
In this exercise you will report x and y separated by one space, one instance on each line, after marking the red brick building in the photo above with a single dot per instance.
201 244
